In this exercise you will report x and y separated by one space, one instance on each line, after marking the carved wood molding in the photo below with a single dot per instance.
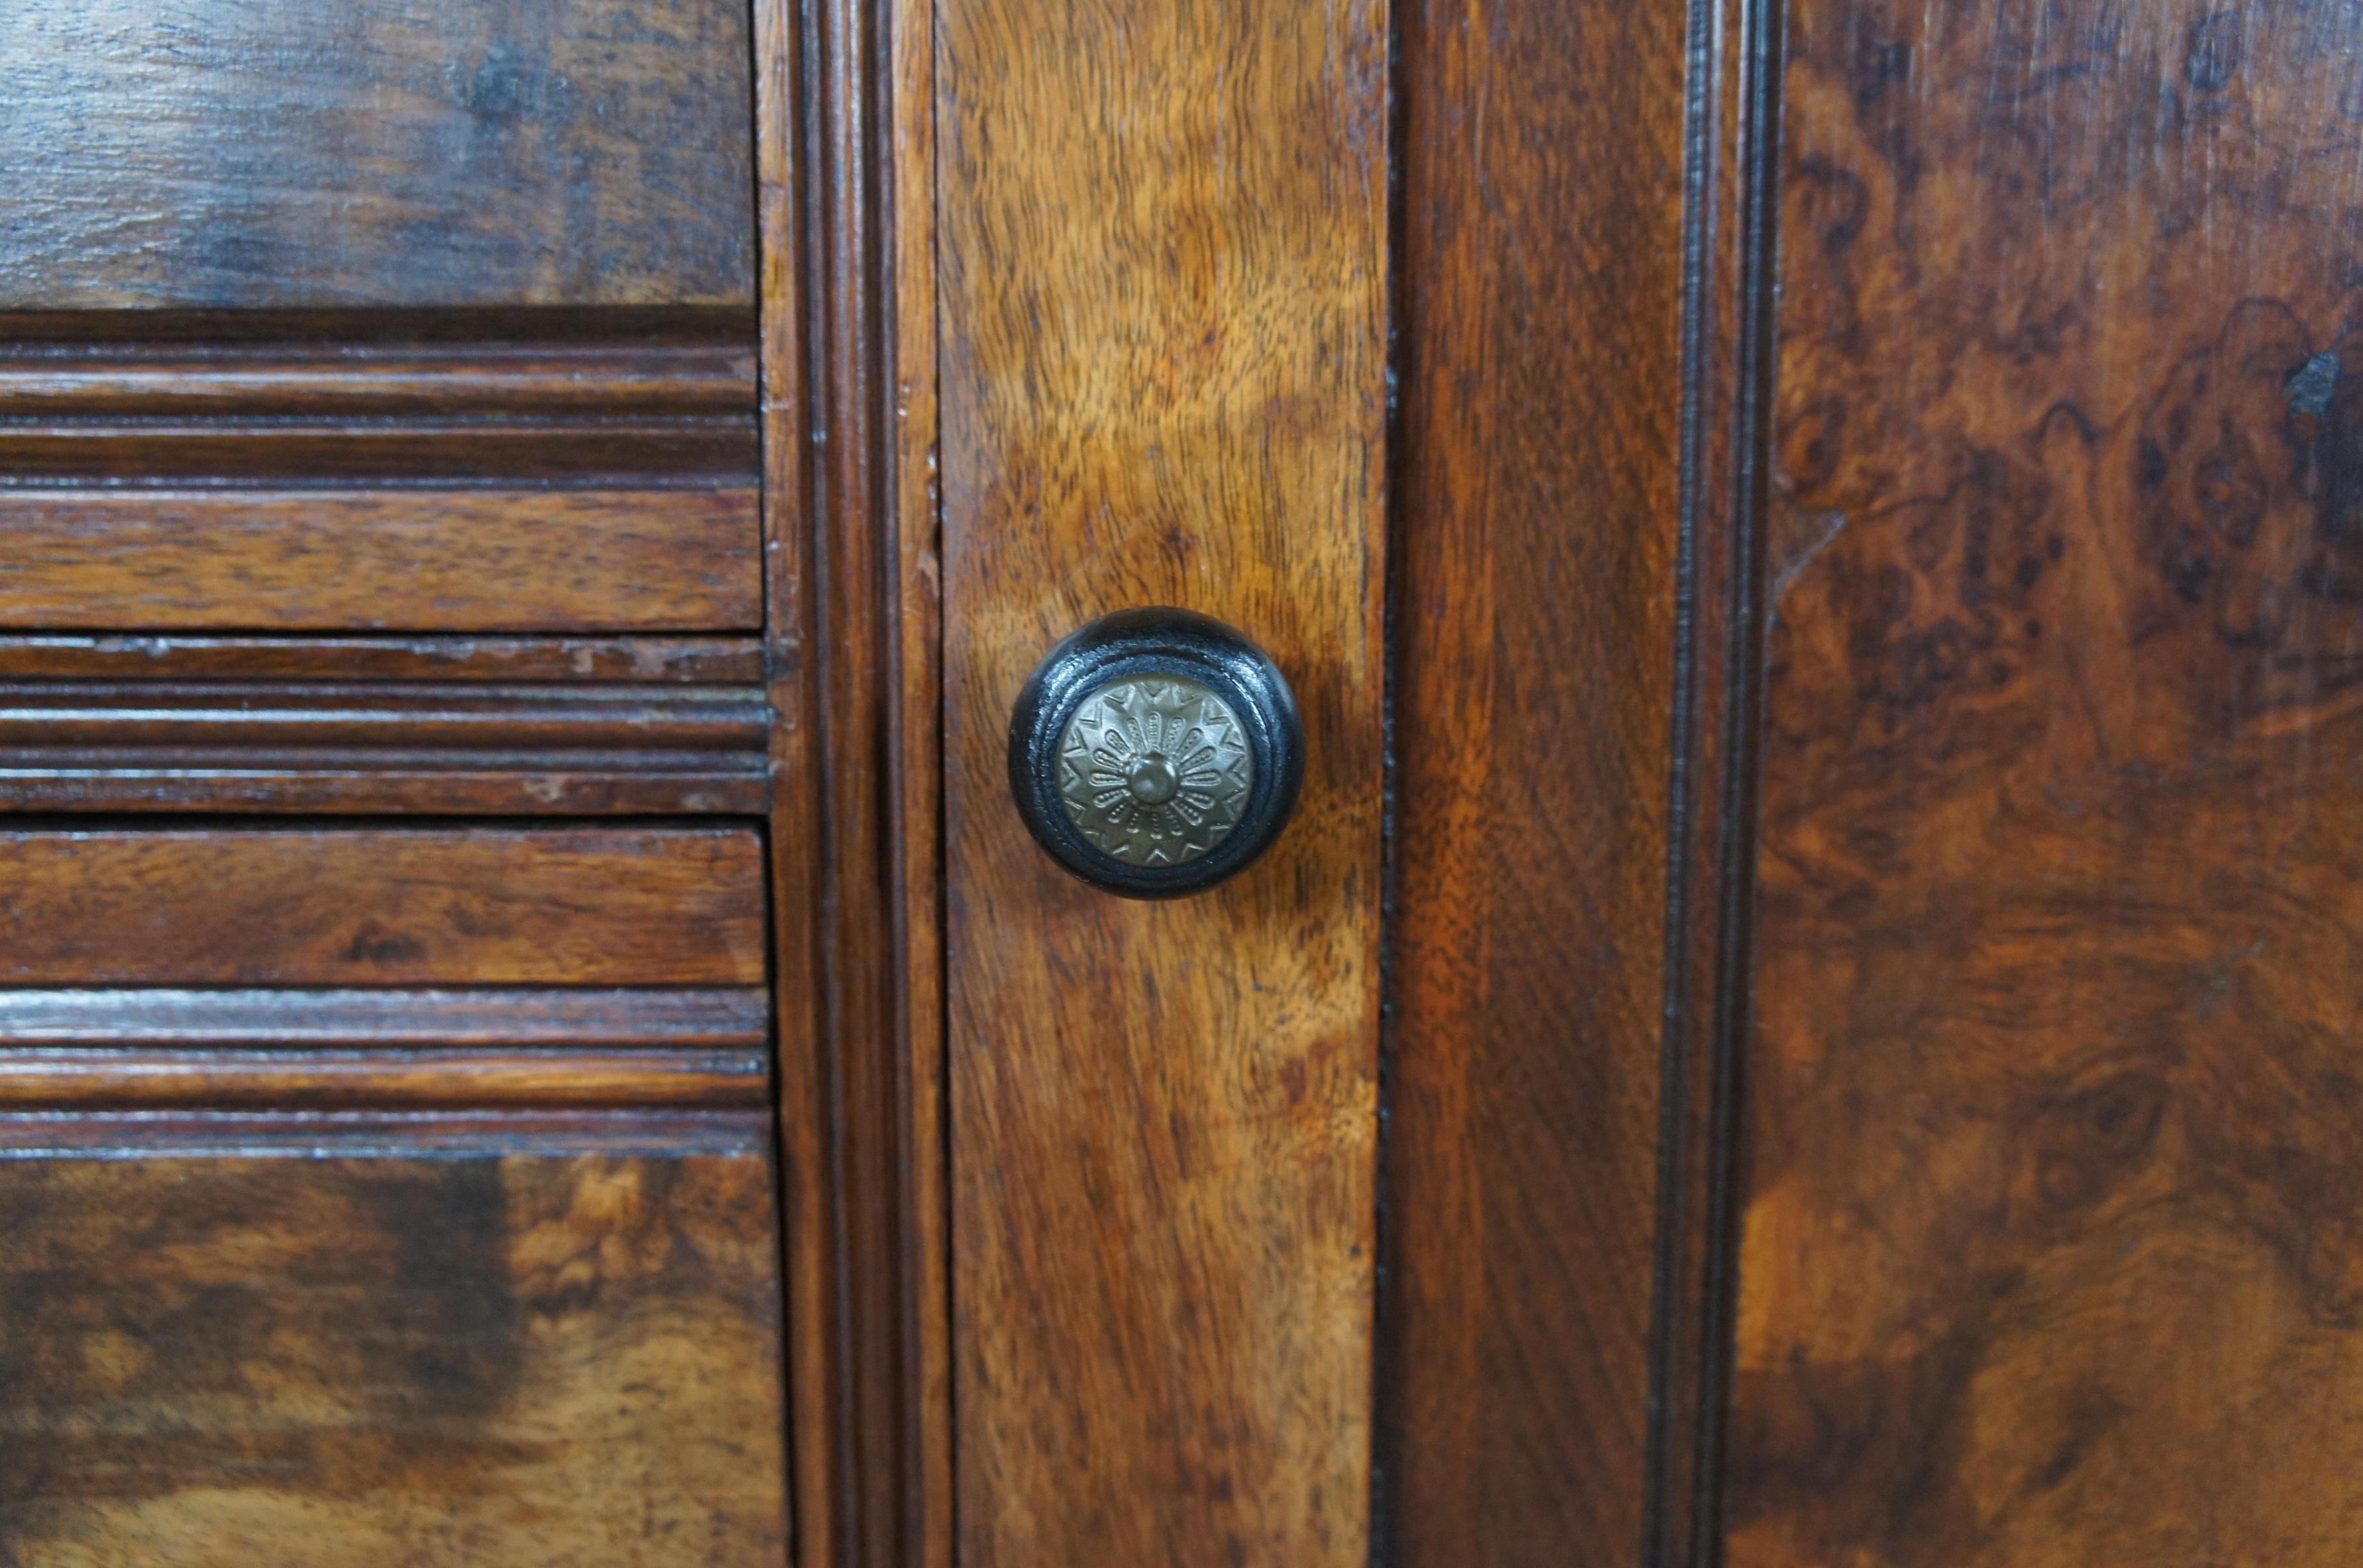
845 296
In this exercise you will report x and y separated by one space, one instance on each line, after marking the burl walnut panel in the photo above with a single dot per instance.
275 153
2053 1254
524 1361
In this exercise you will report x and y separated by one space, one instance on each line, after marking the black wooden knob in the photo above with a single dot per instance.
1156 752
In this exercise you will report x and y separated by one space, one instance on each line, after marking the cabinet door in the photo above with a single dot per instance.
1800 1015
1869 509
1308 1217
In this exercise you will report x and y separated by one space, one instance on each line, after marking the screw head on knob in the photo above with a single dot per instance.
1156 752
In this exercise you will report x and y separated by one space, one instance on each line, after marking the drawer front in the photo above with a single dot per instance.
388 1150
500 560
383 1195
239 154
524 1360
380 474
382 907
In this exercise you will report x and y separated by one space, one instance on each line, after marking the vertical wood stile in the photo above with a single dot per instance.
1162 238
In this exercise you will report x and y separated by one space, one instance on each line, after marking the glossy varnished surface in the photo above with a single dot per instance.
470 472
2051 1254
490 1017
580 397
446 747
520 1362
382 907
103 656
447 1079
459 561
378 1192
1162 381
1532 664
229 153
139 1048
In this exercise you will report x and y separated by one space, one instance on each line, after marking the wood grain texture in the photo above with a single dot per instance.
2050 1251
814 1233
386 747
499 1021
269 404
236 154
119 656
874 886
698 452
389 715
149 1079
382 1133
305 377
389 1363
382 907
1161 231
146 334
1540 374
915 701
417 560
380 784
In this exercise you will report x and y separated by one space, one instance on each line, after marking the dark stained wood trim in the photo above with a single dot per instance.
474 748
636 454
372 906
394 716
853 664
495 1019
142 332
1731 184
872 674
375 783
848 424
311 377
625 414
405 1135
151 1079
807 1130
135 657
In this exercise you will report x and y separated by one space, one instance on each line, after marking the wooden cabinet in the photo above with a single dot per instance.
1801 1016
